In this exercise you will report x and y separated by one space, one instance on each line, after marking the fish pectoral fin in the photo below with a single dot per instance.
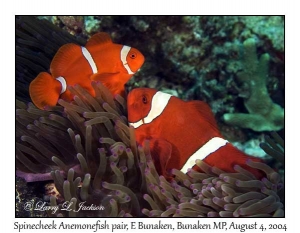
64 59
205 111
44 90
161 151
113 81
99 39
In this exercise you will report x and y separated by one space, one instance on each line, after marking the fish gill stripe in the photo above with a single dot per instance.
63 84
124 51
136 124
211 146
90 59
158 104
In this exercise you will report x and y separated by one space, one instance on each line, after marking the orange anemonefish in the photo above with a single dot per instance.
181 132
100 60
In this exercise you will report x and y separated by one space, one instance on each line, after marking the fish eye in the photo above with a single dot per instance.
132 55
144 99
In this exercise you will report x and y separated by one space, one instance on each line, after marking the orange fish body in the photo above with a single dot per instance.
100 60
181 132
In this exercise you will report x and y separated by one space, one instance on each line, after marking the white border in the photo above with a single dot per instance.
56 7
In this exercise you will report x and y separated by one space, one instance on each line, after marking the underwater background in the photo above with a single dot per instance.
234 63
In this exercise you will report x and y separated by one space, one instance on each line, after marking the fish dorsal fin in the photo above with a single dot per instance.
205 111
64 59
99 39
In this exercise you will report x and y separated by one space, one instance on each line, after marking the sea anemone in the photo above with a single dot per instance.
92 156
274 146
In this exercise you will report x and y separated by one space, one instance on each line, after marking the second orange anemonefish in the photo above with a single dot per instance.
100 60
181 132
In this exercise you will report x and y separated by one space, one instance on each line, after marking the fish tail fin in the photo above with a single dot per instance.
44 90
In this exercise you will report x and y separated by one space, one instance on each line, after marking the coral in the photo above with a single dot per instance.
139 25
91 24
264 114
73 24
100 164
271 27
